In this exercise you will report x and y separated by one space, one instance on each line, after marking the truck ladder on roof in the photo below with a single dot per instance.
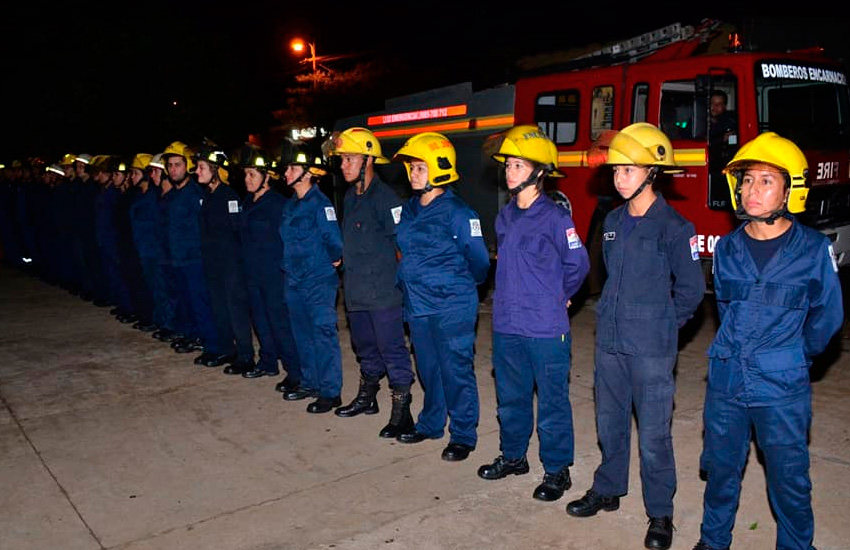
647 43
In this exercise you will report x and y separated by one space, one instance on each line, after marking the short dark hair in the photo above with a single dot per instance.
720 93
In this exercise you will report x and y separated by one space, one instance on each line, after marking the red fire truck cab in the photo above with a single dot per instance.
667 78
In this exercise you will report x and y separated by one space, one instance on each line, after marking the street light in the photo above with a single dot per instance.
298 45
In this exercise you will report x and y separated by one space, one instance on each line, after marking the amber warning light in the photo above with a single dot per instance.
423 114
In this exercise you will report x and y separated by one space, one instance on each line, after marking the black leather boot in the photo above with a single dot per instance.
401 421
365 401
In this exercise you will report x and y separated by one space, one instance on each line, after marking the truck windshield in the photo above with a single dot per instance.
805 102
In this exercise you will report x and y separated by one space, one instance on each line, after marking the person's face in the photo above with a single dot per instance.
717 105
136 176
762 190
418 174
253 179
350 166
517 170
628 177
176 166
79 168
118 178
293 172
204 171
156 175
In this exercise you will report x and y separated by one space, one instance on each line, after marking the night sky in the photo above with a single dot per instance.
100 80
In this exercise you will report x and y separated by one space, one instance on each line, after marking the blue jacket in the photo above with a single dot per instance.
219 218
369 253
144 217
312 238
443 255
773 322
655 282
541 264
184 229
106 202
262 247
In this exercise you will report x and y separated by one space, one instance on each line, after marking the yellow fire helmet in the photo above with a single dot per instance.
358 141
179 148
770 148
67 160
530 143
141 161
642 144
436 151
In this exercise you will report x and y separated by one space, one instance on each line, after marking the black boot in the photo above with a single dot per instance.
365 401
401 421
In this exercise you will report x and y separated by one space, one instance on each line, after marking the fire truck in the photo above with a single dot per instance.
665 77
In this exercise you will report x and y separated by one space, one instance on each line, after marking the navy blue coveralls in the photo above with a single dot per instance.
443 259
106 205
166 273
144 219
194 317
655 283
541 264
313 242
221 251
135 296
772 322
372 299
262 250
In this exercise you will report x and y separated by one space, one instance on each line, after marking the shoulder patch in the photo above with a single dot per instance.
233 207
330 213
573 240
832 257
396 212
609 236
694 242
475 227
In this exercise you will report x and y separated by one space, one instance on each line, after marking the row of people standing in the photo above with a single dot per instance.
776 283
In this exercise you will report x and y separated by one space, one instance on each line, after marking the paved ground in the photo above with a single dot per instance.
110 440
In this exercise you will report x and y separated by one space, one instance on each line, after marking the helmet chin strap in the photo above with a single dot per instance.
771 218
299 178
650 177
428 188
532 179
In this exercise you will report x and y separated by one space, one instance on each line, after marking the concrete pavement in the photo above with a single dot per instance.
110 440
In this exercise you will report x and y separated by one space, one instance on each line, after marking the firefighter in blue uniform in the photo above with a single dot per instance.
312 251
779 301
221 252
655 284
194 316
167 305
372 300
262 248
143 223
106 231
443 259
541 265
